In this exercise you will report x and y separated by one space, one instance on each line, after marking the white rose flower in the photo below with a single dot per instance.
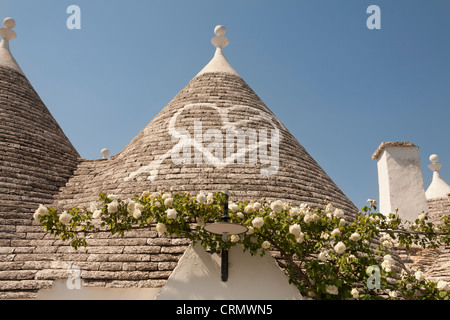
294 211
355 236
386 265
303 208
251 230
171 214
168 202
338 213
145 193
155 195
166 195
233 207
419 275
36 216
336 232
329 208
265 245
131 204
393 294
422 217
139 206
332 290
355 293
240 215
161 228
322 256
137 213
443 285
315 217
201 198
277 206
249 208
342 222
257 205
387 244
157 204
210 197
300 237
295 229
97 213
234 238
340 247
258 222
65 218
307 219
41 211
113 197
113 206
324 235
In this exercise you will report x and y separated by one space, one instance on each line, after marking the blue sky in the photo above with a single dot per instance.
340 88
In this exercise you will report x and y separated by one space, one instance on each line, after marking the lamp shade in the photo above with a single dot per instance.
226 228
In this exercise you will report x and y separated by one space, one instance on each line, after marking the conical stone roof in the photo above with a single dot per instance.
36 157
215 135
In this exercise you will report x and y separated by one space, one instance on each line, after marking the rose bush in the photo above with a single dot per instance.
324 254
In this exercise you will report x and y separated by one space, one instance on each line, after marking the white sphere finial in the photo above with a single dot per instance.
9 23
434 158
220 30
220 41
105 153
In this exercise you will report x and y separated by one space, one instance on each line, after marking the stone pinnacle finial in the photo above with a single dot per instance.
434 158
434 166
7 33
438 187
105 153
219 63
220 41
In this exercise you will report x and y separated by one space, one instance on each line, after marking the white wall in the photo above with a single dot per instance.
198 277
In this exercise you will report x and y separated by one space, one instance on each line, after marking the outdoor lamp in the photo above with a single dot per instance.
225 229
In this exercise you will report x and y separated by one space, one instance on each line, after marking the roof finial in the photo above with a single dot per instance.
438 187
220 41
7 33
6 58
219 63
105 153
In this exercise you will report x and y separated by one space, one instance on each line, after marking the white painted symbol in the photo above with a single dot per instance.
213 152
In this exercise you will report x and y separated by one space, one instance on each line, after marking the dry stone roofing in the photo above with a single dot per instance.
38 165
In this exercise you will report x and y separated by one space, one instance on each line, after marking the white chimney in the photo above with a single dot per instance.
400 180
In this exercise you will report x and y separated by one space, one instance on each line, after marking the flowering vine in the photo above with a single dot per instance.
324 254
